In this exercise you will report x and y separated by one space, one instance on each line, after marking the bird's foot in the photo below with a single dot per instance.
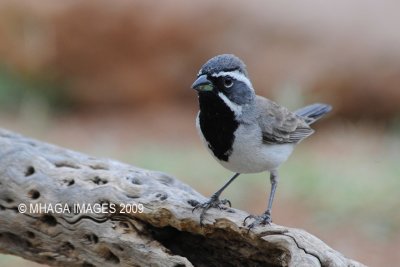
213 202
264 219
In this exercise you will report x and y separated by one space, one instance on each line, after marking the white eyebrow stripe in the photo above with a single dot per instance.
237 75
233 106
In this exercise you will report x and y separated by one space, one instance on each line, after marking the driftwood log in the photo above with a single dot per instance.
143 218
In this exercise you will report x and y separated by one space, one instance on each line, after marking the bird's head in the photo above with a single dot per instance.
225 76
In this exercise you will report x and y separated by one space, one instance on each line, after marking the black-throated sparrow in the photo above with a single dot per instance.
244 132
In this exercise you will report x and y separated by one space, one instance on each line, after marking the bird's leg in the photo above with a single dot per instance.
266 218
214 201
274 182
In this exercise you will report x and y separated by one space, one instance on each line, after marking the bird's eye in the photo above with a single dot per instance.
228 82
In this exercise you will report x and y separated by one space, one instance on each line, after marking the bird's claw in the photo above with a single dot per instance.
264 219
248 217
213 202
225 202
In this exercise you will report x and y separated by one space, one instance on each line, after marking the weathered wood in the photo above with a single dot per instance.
166 233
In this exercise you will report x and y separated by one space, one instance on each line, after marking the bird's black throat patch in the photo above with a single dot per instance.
218 124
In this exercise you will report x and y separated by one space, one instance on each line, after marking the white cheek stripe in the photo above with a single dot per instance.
234 107
237 75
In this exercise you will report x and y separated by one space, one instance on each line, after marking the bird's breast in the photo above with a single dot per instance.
251 156
217 124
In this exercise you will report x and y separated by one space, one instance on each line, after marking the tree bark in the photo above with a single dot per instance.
141 217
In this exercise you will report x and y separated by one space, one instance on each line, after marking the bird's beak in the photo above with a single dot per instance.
202 84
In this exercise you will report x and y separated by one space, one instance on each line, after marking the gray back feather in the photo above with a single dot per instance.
279 125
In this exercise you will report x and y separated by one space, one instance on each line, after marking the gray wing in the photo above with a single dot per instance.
279 125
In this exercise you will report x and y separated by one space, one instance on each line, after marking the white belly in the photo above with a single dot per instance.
266 158
250 155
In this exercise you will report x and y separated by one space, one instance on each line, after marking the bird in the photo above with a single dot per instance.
245 132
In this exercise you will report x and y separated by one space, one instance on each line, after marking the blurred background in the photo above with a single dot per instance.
112 79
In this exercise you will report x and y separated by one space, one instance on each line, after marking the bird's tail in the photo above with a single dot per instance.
313 112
